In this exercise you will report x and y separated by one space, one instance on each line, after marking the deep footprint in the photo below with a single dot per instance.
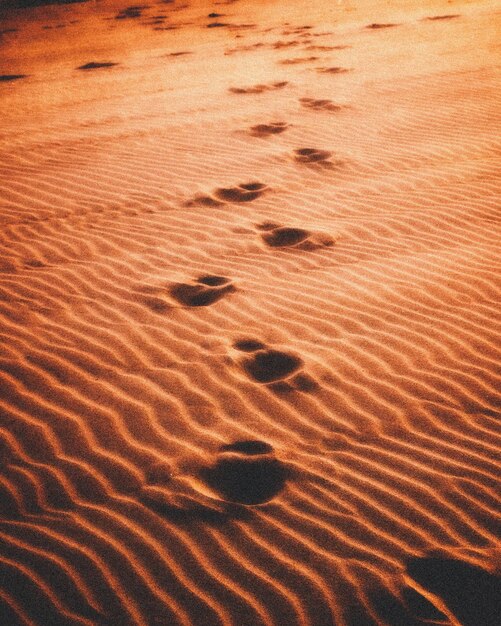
278 236
263 130
311 155
270 366
284 237
245 192
246 472
471 593
249 345
203 291
259 88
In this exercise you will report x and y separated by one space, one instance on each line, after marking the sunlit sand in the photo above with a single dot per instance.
249 313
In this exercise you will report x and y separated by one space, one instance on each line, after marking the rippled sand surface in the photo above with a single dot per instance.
249 313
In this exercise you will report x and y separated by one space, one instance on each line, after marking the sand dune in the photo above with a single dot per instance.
249 294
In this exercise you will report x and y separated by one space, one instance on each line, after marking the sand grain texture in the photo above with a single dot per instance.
249 314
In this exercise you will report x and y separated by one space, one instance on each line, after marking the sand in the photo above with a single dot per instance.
249 313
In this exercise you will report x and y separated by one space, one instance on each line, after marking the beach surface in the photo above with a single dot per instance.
249 313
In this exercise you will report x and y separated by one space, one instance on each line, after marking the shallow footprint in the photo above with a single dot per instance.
472 594
203 291
245 192
320 104
311 155
377 25
332 70
297 60
259 88
284 237
441 17
263 130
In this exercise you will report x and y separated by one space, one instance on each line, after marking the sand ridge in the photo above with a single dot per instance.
249 292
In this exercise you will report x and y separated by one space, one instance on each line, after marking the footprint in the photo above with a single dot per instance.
280 371
93 65
290 237
264 130
9 77
441 17
204 200
245 192
203 291
377 25
259 88
395 610
297 60
332 70
269 366
326 48
246 472
320 105
249 345
311 155
130 13
472 594
177 54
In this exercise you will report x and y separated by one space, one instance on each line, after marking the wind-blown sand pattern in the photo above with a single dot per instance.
249 313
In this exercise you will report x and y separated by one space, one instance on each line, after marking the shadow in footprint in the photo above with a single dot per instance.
5 78
311 155
320 104
203 291
285 237
298 60
259 88
246 472
332 70
264 130
245 192
289 237
376 26
472 594
204 200
94 65
434 18
280 371
269 366
248 345
326 48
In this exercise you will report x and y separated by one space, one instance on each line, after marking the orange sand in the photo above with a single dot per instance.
249 314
